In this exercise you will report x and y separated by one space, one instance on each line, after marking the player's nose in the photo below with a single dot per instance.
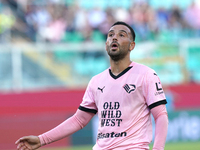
115 38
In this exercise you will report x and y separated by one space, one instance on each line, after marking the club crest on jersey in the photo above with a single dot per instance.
129 87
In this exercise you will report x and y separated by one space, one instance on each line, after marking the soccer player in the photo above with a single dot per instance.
124 96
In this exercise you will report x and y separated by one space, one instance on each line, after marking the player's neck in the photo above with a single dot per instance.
118 66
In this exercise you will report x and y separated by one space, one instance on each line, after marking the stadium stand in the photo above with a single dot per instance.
163 24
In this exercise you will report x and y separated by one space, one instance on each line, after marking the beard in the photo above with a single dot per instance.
118 54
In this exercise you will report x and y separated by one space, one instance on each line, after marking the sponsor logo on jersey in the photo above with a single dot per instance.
158 86
158 93
159 89
129 87
111 114
111 135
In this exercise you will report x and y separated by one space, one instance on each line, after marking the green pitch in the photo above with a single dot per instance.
182 146
168 146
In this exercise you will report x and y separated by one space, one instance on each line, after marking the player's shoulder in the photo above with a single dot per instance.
143 69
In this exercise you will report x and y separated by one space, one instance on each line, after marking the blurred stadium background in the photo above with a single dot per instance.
50 49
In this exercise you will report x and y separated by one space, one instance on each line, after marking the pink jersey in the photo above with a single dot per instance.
123 103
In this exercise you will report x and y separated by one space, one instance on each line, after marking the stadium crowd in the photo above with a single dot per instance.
52 20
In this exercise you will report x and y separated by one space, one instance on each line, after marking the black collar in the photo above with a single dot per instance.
119 75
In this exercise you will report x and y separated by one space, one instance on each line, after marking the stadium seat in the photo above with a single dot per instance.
72 37
97 36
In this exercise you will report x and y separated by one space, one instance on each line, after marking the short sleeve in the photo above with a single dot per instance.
88 102
152 90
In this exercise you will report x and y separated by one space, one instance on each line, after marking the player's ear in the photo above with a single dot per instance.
132 46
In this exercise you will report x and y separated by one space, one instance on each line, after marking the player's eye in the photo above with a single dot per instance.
122 35
110 34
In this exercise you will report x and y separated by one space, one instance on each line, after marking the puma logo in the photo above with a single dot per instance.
101 89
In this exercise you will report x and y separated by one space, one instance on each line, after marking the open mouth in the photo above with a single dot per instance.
114 45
